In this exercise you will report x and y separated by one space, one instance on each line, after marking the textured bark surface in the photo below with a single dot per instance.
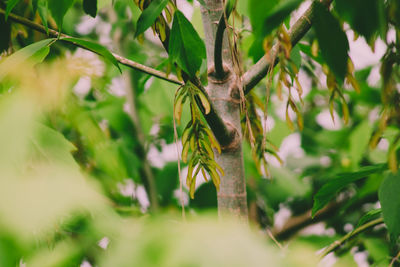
232 198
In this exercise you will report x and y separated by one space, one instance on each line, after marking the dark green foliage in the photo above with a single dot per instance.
58 9
330 189
389 196
149 15
364 16
90 7
167 181
5 29
185 46
278 14
332 40
10 5
206 197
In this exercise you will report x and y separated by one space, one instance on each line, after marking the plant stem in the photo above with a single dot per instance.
258 71
218 65
120 59
332 247
147 173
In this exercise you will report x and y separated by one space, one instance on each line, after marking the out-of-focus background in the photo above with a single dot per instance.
83 147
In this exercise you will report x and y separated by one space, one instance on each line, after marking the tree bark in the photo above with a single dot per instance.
223 92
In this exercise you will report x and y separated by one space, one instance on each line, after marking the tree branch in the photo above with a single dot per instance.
299 222
332 247
258 71
294 224
147 173
120 59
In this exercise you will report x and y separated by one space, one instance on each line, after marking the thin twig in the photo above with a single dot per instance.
332 247
147 173
179 164
219 69
124 61
258 71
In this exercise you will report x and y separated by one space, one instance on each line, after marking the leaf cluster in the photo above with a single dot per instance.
198 138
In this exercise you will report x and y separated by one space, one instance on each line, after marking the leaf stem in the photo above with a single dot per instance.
124 61
219 69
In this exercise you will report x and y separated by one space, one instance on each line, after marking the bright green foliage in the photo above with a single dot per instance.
58 9
22 56
389 196
10 5
81 144
198 138
278 14
42 8
185 46
332 40
229 7
369 216
149 15
94 47
259 11
359 140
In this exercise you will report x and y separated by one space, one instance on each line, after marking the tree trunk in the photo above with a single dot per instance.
232 199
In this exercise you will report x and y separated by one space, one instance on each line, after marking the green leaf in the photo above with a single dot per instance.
362 15
259 11
378 251
167 180
295 56
359 140
43 10
58 10
278 14
22 55
34 4
389 197
53 146
229 5
90 7
206 197
40 55
5 29
149 15
94 47
331 188
369 216
332 41
186 48
10 5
